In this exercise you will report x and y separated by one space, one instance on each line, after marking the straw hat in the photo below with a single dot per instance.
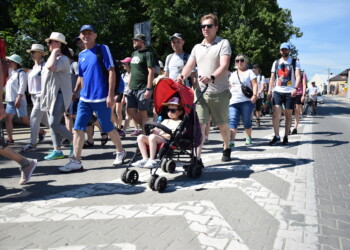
173 101
37 47
56 36
15 58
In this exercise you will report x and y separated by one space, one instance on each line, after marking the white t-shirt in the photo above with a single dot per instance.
312 90
174 64
126 77
15 85
236 88
34 79
171 124
260 79
285 78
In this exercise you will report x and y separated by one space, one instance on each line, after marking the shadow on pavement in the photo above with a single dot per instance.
42 190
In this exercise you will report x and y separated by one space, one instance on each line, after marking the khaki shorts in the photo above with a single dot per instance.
214 105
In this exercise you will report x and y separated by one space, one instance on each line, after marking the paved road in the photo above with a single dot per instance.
280 197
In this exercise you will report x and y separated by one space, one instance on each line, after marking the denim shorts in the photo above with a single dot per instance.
136 99
21 111
244 109
85 111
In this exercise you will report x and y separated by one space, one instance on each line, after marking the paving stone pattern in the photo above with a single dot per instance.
280 197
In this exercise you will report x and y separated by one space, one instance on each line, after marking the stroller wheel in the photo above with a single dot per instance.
152 180
188 170
170 166
163 165
196 171
160 184
123 176
132 177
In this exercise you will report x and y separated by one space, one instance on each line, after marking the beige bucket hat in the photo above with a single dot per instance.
56 36
37 47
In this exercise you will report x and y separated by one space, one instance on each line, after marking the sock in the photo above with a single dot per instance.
24 163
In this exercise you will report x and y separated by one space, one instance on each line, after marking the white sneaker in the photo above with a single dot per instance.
72 165
26 173
151 164
29 147
119 158
140 163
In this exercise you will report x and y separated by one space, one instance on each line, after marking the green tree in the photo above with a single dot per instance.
253 27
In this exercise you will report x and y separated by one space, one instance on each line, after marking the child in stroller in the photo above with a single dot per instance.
175 112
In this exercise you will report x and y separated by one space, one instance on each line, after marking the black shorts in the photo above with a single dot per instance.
3 143
258 104
283 98
312 102
298 99
119 98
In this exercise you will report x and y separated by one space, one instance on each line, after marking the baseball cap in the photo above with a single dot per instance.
87 27
177 35
126 60
285 46
140 37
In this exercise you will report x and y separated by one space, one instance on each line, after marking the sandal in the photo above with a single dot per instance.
104 140
88 144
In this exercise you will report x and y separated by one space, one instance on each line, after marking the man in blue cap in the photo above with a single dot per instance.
98 77
284 81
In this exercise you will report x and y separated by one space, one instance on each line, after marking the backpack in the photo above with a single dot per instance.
105 71
184 59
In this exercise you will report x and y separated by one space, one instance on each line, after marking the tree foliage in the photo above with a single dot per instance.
253 27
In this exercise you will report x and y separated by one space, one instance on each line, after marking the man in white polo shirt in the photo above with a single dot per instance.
212 57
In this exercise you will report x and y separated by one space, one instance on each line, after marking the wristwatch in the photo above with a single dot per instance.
212 78
149 89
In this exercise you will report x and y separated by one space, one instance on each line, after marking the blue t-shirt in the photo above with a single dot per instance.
95 82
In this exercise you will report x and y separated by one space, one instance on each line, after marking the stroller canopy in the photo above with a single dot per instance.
167 88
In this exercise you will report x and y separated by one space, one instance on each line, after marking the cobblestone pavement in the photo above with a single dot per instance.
280 197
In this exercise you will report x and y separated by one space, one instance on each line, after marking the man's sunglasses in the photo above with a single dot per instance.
173 110
209 26
239 60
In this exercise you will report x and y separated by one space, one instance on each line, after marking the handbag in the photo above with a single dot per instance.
245 89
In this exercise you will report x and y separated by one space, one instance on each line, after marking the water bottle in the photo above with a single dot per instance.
159 119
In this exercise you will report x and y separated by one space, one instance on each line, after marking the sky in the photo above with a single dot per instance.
324 46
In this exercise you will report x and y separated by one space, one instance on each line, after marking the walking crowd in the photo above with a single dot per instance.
92 92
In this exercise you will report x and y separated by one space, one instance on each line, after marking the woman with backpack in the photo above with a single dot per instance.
15 88
37 116
57 92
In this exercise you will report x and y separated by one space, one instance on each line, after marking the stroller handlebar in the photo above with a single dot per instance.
151 125
201 94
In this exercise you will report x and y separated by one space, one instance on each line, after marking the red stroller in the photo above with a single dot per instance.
183 142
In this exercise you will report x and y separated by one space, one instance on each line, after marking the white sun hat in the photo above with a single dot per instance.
56 36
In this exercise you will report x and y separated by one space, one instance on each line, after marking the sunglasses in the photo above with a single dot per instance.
52 41
173 110
32 52
209 26
239 60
